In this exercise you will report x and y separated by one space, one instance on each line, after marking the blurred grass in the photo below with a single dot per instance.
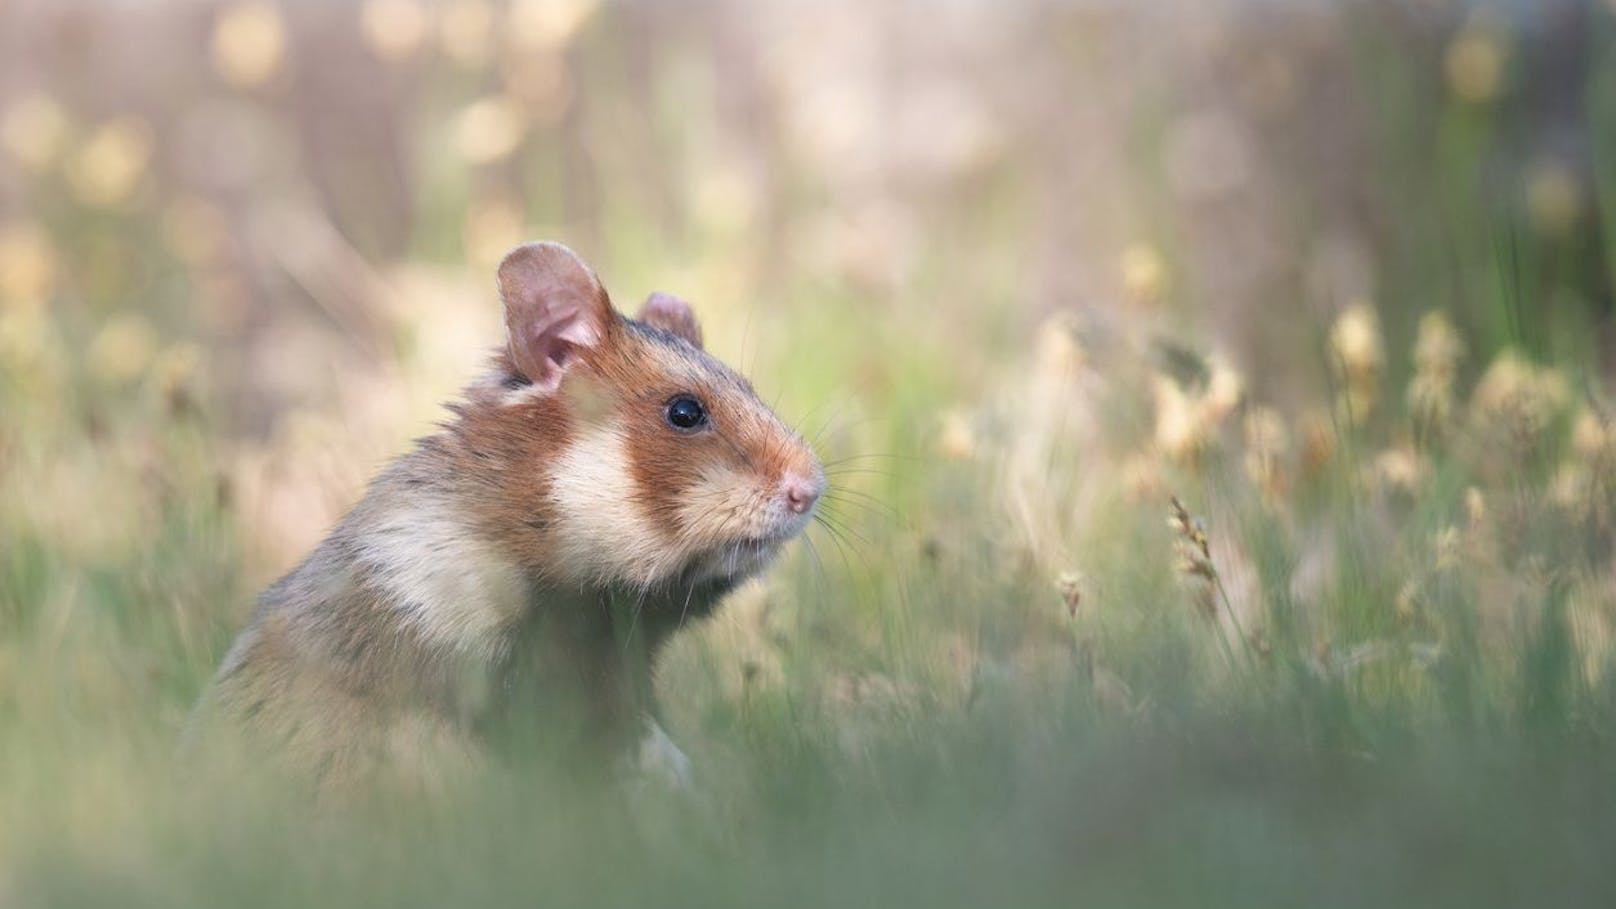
1338 278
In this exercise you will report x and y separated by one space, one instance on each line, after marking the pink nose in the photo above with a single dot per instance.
801 494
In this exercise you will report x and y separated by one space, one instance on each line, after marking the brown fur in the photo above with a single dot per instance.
462 598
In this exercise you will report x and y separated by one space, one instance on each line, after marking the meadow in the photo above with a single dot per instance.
1216 398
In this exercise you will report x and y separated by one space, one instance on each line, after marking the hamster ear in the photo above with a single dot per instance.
672 315
554 308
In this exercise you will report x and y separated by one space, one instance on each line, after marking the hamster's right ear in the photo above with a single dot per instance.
554 308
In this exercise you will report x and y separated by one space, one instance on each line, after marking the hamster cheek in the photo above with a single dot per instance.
720 507
602 523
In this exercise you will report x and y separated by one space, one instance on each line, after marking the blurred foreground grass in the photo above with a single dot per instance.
1369 665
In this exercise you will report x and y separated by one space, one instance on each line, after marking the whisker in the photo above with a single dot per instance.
858 495
845 528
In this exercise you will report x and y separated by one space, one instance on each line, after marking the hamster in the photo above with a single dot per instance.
604 483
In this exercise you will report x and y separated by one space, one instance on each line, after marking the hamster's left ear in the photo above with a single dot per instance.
672 315
555 308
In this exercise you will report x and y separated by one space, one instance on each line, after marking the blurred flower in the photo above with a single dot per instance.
1355 341
541 83
1553 198
393 29
1179 434
1593 438
493 227
1070 587
489 129
109 167
1318 440
1518 396
958 437
1571 488
27 266
1446 547
1143 273
175 369
1399 469
122 349
1358 355
1475 506
1060 352
28 352
1225 389
1408 599
1187 418
1267 442
1437 353
34 131
547 25
465 29
1475 61
249 43
1438 349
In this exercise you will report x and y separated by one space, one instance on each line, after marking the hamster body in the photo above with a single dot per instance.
605 482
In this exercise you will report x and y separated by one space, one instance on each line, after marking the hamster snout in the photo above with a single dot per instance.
801 492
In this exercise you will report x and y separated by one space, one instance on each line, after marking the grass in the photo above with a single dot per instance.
1366 661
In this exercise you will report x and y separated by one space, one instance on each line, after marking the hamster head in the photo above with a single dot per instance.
609 450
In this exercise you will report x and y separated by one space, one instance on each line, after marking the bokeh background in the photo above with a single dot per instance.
1337 276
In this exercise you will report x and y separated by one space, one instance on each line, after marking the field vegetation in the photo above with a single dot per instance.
1217 400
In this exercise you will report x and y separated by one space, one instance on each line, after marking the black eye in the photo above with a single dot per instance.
686 413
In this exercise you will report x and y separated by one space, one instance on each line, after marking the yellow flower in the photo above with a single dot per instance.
1399 469
176 367
1553 198
958 438
1059 350
1318 440
1592 436
1518 394
1225 389
1438 348
393 29
108 168
1143 273
1355 340
541 83
27 265
1475 62
489 129
249 43
1179 434
1267 442
33 131
1069 584
1437 353
1475 506
122 349
1357 356
547 25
